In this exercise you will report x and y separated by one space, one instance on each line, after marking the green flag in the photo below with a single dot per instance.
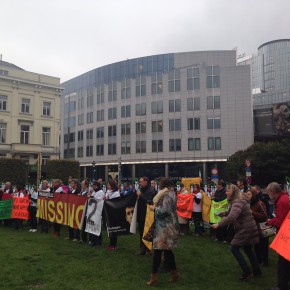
6 208
216 208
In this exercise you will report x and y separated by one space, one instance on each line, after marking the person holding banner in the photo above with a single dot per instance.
282 207
183 221
197 210
246 231
166 229
18 193
84 192
32 210
44 190
57 188
112 192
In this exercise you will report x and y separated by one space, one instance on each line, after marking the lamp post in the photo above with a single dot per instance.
94 169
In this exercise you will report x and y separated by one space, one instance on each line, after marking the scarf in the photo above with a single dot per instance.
160 195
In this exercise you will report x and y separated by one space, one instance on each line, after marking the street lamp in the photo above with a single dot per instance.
94 169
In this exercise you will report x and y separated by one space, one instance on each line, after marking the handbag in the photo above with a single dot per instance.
267 231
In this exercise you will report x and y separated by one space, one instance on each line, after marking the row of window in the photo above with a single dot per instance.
24 134
25 106
213 102
194 144
156 127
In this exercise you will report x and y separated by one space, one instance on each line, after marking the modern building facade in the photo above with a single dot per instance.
175 115
271 89
29 114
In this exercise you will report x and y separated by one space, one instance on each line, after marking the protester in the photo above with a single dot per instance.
182 221
153 184
98 194
145 195
57 188
220 195
84 192
112 192
44 191
246 231
166 229
127 189
32 210
259 212
263 197
18 223
8 190
242 184
282 207
197 211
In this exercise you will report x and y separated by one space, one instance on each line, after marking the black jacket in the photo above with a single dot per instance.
220 195
147 195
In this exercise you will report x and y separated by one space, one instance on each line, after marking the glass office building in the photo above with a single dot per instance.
174 115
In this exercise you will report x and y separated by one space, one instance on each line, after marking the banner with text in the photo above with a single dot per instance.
20 208
65 209
93 221
217 208
281 243
6 209
187 182
119 214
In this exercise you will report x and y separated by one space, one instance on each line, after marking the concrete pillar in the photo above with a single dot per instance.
106 173
166 170
85 172
204 172
133 172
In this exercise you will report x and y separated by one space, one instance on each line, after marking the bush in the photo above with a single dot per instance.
13 170
62 169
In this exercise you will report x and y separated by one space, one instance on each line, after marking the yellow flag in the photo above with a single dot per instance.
148 223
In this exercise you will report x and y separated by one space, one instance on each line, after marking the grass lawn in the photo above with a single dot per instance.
40 261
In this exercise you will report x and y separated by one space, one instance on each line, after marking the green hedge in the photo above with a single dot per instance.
62 169
13 170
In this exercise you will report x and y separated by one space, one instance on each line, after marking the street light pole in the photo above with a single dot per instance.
94 169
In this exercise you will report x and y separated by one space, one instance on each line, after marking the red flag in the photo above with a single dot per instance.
184 205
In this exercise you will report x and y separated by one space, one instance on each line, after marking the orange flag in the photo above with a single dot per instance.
281 243
184 205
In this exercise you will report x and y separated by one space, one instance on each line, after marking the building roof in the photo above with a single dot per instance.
273 41
9 65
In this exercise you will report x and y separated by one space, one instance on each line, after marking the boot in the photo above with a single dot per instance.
174 276
153 279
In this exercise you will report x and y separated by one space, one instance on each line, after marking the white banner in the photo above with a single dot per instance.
134 220
94 216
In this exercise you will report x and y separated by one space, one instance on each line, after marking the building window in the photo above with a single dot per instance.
112 93
174 125
65 138
125 147
112 113
157 107
213 102
89 151
69 153
90 117
3 103
126 89
156 84
25 106
80 119
80 135
196 102
141 128
46 109
174 106
89 134
100 132
193 123
157 126
214 143
174 81
140 146
213 122
141 109
71 137
112 130
70 107
45 136
157 145
194 144
3 132
24 134
140 86
212 77
174 145
100 150
80 152
100 115
100 94
125 129
44 160
112 149
193 82
90 101
125 111
80 103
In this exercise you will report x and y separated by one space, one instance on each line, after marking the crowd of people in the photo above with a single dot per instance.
239 224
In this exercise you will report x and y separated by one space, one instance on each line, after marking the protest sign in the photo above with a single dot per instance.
184 205
216 208
20 208
6 208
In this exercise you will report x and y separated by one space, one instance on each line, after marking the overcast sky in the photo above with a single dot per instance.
65 38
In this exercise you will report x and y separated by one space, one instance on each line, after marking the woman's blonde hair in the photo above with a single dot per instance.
236 193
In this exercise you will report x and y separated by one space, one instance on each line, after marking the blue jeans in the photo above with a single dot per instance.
242 262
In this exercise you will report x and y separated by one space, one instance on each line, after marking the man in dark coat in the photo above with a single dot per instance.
145 196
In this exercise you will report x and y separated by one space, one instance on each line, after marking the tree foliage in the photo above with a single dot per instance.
269 162
62 169
13 170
